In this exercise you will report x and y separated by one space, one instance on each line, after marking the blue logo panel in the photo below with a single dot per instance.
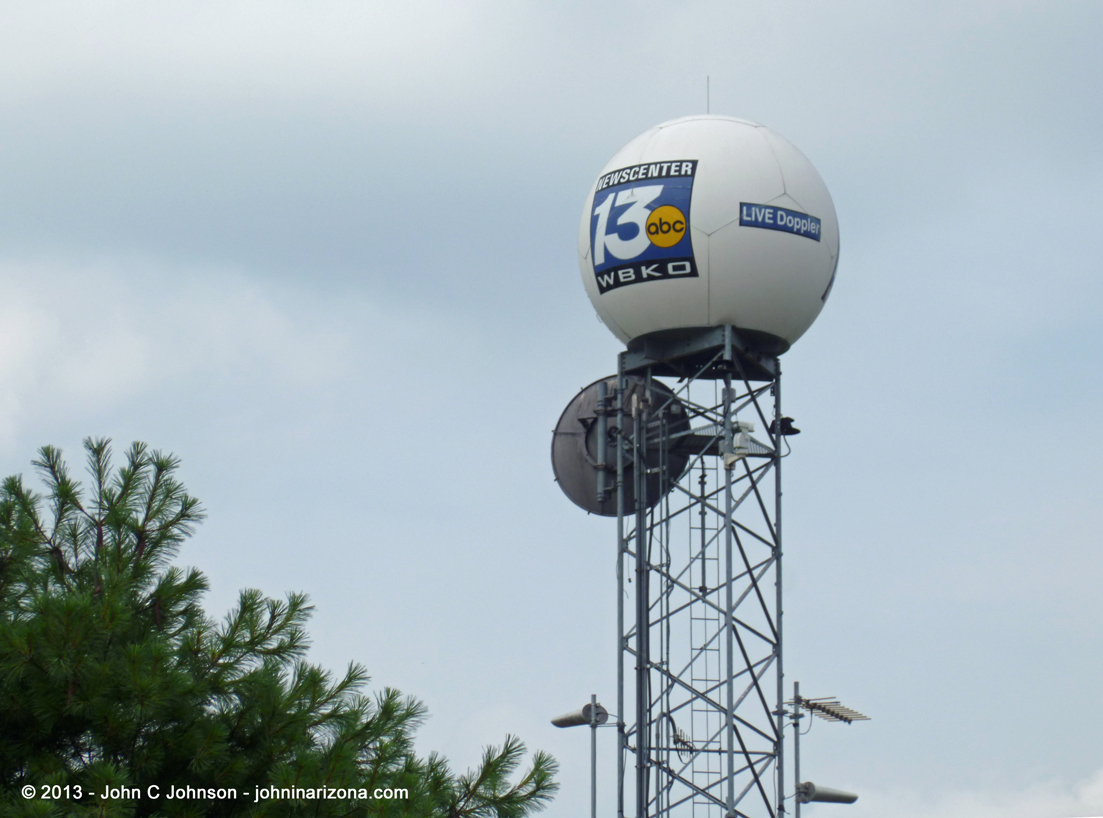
770 217
639 228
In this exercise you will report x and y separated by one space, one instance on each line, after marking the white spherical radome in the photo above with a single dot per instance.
709 221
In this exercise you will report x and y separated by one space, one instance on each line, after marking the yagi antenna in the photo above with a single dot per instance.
830 709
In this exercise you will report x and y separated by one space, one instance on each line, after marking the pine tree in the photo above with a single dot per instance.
113 677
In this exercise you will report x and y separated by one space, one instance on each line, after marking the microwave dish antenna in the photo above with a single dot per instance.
583 450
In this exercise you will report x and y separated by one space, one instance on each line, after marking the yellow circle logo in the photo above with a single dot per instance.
665 226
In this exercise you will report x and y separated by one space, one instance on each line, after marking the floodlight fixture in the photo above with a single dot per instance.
786 427
583 716
593 714
809 792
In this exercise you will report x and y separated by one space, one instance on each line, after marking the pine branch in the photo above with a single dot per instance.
488 794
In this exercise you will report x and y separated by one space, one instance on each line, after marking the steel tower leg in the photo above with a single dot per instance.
622 549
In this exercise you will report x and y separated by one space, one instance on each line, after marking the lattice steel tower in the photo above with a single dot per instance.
700 671
708 245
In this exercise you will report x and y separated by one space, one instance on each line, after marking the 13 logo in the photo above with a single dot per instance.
640 224
664 226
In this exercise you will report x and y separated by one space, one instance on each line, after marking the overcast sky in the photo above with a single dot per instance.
325 253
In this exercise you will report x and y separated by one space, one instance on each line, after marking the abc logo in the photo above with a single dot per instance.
666 226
